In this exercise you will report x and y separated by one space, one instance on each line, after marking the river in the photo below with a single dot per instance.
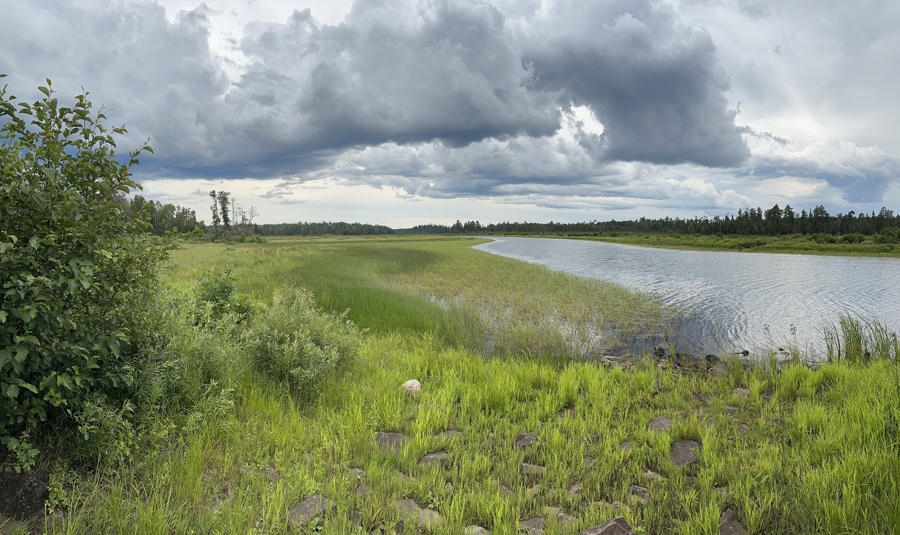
735 301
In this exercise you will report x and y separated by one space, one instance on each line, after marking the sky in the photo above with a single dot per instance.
405 112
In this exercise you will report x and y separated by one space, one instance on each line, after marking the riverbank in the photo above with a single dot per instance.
827 244
527 438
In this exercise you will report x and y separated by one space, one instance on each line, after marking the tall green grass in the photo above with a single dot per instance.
442 286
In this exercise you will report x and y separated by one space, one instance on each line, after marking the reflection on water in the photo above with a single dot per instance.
736 300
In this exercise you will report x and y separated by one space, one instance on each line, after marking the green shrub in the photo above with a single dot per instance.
291 341
75 272
216 297
888 236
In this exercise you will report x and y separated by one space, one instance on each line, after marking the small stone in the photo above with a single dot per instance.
433 459
426 517
659 352
412 387
358 473
731 409
661 424
719 368
741 392
531 469
567 412
566 521
506 492
640 492
406 479
575 489
728 525
534 526
356 520
745 353
626 446
684 452
310 508
533 491
551 511
589 461
448 487
653 476
390 442
712 360
616 526
272 474
362 489
476 530
743 428
524 440
721 491
704 399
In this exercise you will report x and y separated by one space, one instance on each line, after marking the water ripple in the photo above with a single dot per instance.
737 300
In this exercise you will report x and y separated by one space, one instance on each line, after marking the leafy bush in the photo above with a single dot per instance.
74 272
820 238
290 340
852 238
888 236
216 296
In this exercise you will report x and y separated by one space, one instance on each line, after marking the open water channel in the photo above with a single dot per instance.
735 301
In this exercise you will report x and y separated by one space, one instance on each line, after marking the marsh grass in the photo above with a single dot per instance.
442 286
804 451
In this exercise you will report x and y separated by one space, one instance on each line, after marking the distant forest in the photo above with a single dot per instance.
165 218
752 221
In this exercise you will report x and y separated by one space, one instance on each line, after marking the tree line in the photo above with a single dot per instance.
775 221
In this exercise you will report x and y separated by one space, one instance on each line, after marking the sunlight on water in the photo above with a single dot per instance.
737 300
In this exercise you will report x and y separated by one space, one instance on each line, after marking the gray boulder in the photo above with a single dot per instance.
728 525
661 424
390 442
685 452
310 508
616 526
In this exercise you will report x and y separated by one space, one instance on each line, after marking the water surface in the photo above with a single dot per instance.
737 301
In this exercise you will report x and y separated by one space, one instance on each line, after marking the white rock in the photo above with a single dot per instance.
412 386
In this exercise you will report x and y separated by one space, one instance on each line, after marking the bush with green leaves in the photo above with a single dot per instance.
290 340
75 271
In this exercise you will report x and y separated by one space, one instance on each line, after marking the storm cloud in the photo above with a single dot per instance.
436 98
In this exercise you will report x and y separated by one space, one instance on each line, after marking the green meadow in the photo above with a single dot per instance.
508 355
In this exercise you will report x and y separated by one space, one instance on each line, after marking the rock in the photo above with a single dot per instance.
272 474
426 517
524 440
721 491
719 368
406 479
358 473
814 366
433 459
310 508
356 519
688 361
412 387
574 489
626 446
533 491
650 475
616 526
567 412
506 492
744 353
741 392
23 495
703 398
743 428
551 511
362 490
728 525
731 409
661 424
566 521
534 526
390 442
712 360
684 452
531 469
659 352
476 530
640 492
589 461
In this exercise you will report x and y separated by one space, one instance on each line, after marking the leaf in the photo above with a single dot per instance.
44 90
12 391
3 316
21 354
30 387
114 346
